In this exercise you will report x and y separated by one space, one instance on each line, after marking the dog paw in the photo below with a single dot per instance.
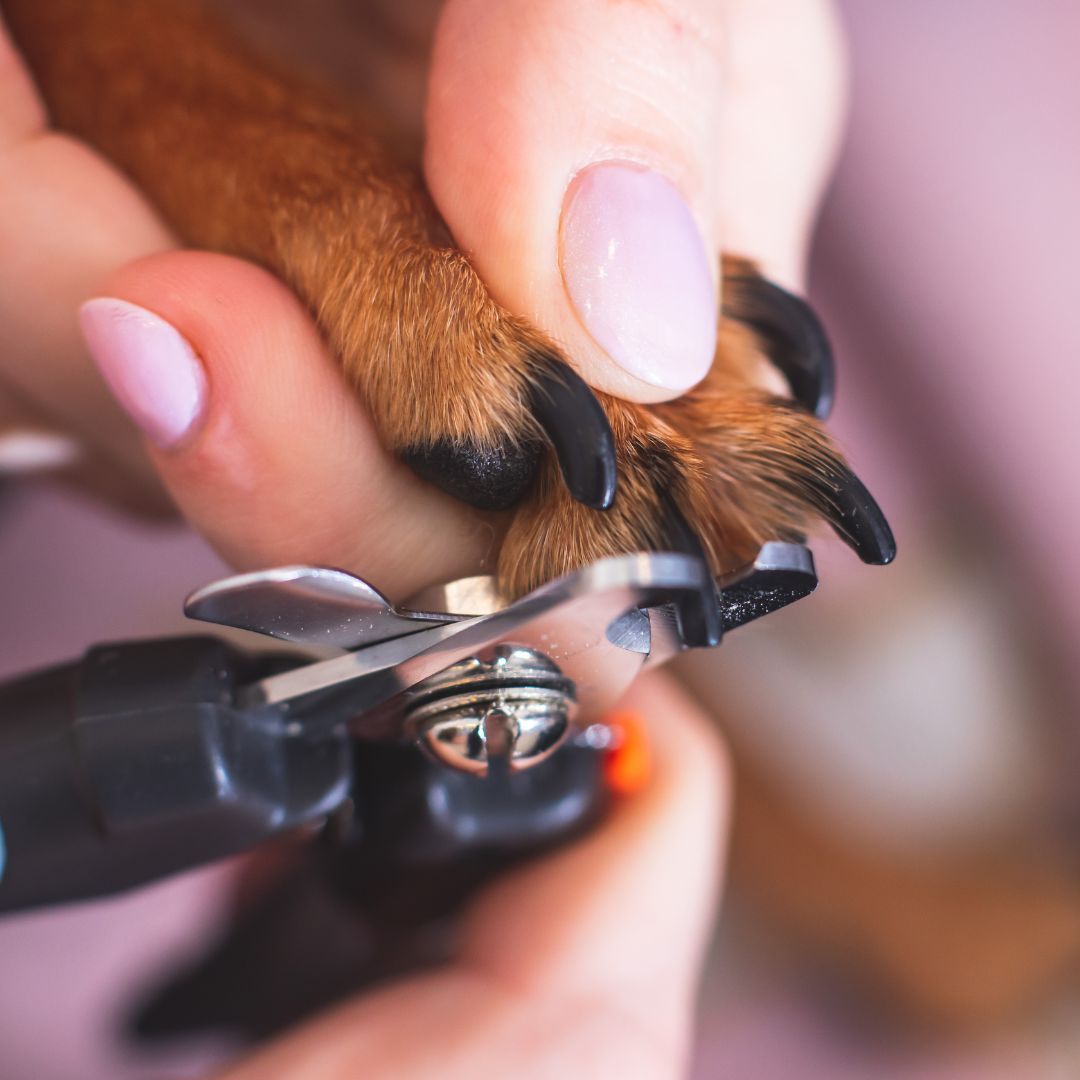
722 469
241 159
468 396
483 406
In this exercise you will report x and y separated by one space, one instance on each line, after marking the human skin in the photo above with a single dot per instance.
239 158
74 227
585 963
611 931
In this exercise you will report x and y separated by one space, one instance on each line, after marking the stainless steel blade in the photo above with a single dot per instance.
308 605
567 620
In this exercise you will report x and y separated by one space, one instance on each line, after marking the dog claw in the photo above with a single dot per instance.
575 423
699 618
792 335
856 517
497 478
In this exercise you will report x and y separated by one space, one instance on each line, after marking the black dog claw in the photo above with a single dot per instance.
498 478
791 335
856 517
578 429
700 618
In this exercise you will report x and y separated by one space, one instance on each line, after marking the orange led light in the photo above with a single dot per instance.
628 764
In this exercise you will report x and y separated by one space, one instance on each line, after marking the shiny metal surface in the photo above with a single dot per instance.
598 625
466 596
780 575
468 742
566 620
516 709
307 605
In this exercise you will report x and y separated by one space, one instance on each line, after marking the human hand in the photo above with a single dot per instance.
584 963
762 110
275 461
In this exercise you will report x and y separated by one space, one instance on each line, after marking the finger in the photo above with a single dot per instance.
256 435
66 220
584 964
22 114
593 159
623 915
785 89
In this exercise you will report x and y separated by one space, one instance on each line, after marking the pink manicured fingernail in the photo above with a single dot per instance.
638 272
152 371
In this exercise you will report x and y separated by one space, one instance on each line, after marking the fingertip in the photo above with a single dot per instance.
688 748
148 365
585 196
264 366
623 913
639 275
283 463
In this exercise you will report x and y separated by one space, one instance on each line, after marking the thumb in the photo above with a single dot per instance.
571 150
579 149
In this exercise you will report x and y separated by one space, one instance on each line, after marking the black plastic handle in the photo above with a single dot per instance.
134 763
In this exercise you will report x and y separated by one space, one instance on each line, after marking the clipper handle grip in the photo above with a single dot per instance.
133 763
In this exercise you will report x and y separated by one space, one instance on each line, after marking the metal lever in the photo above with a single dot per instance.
593 628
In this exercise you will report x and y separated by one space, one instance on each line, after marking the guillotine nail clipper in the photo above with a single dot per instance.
145 758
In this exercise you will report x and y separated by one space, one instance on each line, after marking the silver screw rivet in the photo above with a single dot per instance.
515 709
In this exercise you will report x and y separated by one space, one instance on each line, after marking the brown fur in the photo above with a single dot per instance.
245 159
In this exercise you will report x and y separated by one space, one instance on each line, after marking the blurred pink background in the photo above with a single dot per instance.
944 269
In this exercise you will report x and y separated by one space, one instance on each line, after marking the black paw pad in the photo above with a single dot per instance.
488 478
